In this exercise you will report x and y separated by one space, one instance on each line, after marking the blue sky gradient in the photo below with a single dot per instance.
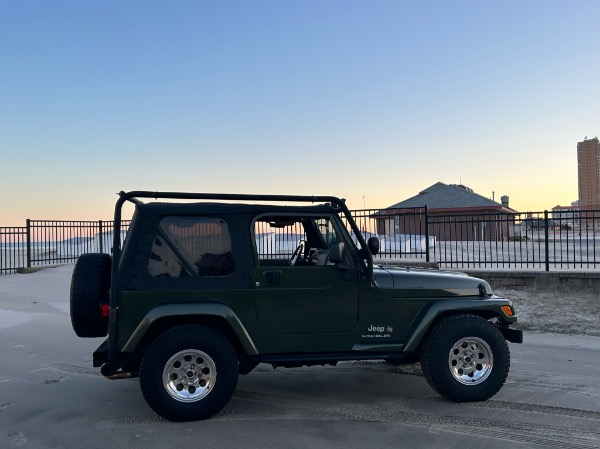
355 99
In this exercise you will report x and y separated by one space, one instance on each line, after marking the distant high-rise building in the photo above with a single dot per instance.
588 168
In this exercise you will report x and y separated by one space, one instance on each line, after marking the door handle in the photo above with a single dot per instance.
272 277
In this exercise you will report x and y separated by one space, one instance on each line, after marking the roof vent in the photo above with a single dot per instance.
464 187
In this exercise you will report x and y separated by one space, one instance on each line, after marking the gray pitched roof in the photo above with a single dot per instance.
444 196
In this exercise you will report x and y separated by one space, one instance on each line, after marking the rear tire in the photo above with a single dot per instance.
465 358
189 373
90 284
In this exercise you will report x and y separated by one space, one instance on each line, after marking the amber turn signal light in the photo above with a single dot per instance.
507 310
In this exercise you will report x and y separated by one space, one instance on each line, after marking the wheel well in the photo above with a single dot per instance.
217 323
485 314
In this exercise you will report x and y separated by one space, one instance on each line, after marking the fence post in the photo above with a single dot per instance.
546 243
28 234
100 236
426 234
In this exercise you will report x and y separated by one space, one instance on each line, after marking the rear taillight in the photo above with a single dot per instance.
104 310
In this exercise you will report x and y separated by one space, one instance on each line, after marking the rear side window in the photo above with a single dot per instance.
163 262
205 243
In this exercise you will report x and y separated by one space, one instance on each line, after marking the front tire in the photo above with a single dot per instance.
465 358
189 373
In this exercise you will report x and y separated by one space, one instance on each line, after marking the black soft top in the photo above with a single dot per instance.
133 274
162 208
238 216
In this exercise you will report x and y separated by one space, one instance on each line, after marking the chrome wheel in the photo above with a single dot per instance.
189 375
470 360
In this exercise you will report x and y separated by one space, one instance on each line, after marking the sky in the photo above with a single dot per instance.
370 101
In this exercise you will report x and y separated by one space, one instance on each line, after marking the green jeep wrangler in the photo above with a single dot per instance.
201 291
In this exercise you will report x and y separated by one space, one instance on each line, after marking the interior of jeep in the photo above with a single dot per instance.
295 241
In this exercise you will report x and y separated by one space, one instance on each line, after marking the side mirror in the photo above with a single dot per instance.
373 244
337 252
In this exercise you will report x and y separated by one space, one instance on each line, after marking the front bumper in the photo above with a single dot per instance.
512 335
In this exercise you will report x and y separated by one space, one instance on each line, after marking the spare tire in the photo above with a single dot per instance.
90 285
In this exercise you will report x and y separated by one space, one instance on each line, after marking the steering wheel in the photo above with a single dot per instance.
297 252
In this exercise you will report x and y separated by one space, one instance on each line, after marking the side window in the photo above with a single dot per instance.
205 243
163 263
294 240
277 238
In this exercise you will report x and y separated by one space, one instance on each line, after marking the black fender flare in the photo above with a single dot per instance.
191 310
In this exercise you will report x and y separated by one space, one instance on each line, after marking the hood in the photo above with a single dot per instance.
427 283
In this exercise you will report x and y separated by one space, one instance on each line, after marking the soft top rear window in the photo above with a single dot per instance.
204 242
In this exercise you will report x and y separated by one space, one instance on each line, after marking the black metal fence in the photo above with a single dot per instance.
402 233
533 241
13 245
49 242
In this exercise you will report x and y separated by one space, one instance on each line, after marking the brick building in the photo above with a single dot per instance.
453 210
588 173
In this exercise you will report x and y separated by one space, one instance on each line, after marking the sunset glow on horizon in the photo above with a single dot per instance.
370 102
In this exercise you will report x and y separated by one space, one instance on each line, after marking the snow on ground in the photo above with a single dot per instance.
558 312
